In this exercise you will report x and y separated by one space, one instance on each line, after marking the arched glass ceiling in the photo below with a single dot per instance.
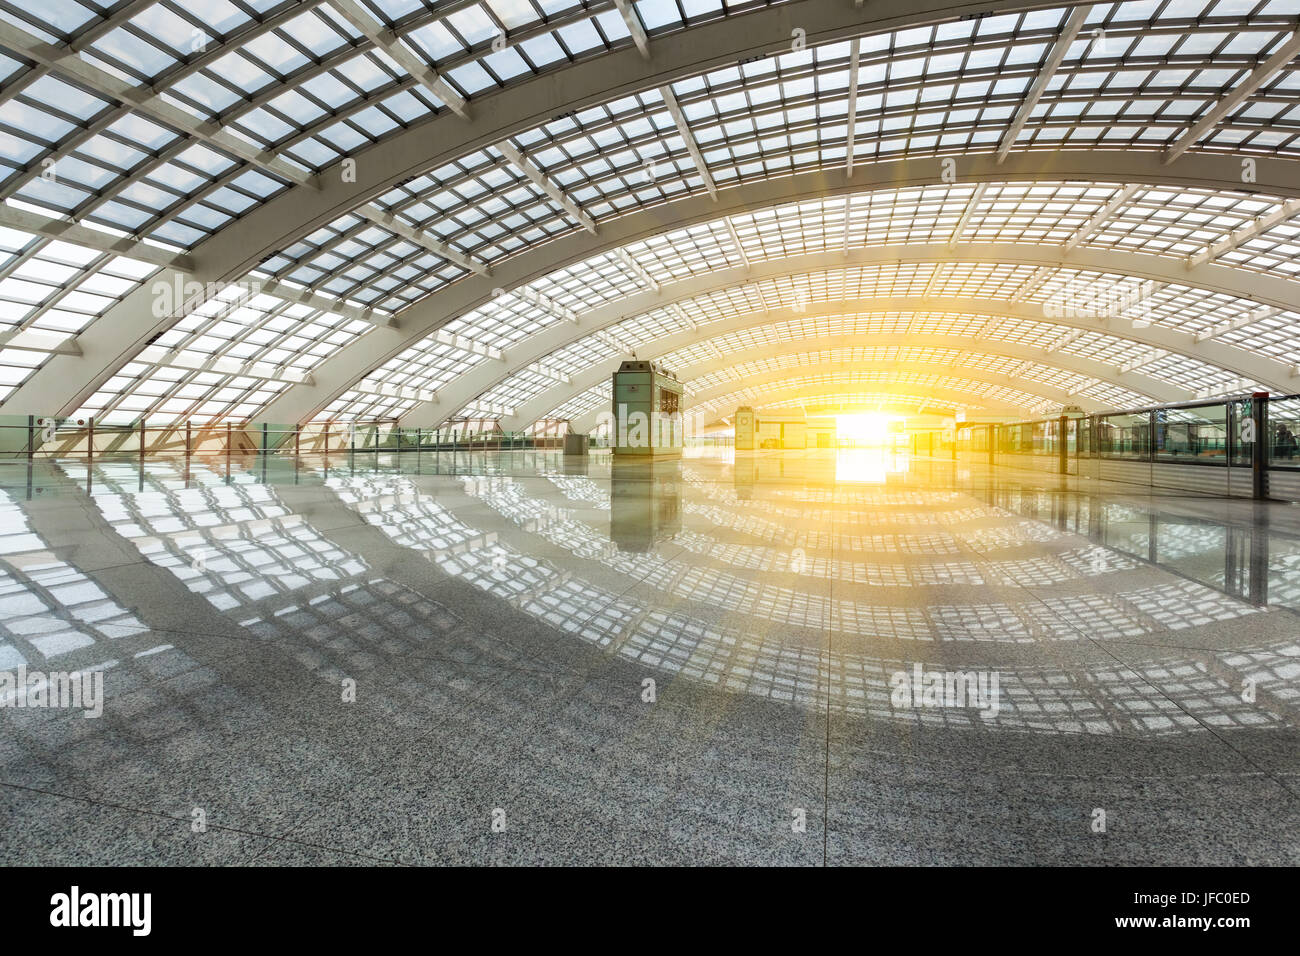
166 125
852 401
584 407
989 391
1150 220
913 385
950 359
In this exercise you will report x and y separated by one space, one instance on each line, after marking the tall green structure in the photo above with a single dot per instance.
647 410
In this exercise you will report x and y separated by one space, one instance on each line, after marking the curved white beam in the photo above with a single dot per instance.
1160 392
902 397
342 370
849 370
65 382
239 247
1275 374
905 397
846 374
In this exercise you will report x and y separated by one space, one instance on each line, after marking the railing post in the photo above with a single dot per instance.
1259 450
1062 457
31 450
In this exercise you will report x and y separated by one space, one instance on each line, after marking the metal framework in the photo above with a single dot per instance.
746 347
355 208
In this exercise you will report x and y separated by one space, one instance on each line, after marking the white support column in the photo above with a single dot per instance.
936 279
202 362
855 56
24 220
1054 58
382 217
547 304
466 344
613 341
735 241
542 182
392 45
1065 340
37 340
1146 357
1250 318
1285 212
143 100
634 27
682 317
1253 81
1039 276
1091 227
976 198
293 293
688 138
848 205
544 370
635 269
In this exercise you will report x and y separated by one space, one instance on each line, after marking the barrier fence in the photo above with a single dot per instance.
1243 446
33 437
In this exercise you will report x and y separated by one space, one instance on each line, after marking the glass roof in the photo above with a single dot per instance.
160 125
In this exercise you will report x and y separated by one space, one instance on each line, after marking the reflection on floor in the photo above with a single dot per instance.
517 657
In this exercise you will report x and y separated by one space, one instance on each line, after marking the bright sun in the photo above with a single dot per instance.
865 427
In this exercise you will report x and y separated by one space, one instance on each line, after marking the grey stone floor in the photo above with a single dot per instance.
501 615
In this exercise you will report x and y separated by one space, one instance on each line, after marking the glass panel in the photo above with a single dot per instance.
1239 431
1284 433
1126 435
1192 434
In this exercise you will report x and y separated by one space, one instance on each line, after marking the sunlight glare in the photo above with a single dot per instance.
864 427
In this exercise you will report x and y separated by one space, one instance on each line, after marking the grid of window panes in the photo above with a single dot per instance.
352 258
224 360
298 81
797 293
1103 347
597 397
1284 432
989 365
50 291
390 272
294 79
952 88
909 383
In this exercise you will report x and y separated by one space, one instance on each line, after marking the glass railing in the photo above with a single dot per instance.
1200 433
33 437
1284 432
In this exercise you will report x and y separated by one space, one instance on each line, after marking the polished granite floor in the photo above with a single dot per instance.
569 661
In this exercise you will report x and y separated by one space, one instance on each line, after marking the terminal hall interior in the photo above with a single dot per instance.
774 432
